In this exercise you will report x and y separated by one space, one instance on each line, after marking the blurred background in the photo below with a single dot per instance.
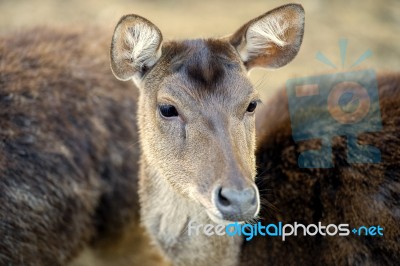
367 24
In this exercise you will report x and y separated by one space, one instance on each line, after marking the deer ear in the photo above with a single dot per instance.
135 47
271 40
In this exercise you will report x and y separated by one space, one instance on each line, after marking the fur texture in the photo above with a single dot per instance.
68 148
358 194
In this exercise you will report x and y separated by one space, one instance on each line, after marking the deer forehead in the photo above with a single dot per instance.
201 70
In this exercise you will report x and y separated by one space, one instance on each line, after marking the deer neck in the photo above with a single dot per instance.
166 214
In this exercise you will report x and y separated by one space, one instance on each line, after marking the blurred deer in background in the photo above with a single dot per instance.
354 194
68 153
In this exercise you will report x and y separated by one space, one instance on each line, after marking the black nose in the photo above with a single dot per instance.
237 205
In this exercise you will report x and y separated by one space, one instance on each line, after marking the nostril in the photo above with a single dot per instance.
223 200
234 204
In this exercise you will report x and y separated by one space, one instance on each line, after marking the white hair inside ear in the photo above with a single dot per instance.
271 40
145 43
262 34
135 48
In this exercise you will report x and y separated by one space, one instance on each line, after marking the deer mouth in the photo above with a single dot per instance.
219 219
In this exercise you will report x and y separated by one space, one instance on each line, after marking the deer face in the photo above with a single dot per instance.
196 109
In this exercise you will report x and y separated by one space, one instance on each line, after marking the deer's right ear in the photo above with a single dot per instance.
135 47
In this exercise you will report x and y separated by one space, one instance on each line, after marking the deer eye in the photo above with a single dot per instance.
252 106
167 110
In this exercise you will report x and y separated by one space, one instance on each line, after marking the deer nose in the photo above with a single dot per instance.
237 205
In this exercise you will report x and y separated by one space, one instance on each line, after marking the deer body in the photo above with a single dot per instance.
68 153
354 194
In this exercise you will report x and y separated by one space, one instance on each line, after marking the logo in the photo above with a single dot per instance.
340 104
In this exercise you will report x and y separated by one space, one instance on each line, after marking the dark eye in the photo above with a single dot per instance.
167 110
252 106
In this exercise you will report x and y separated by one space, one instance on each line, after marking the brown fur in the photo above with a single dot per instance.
68 147
363 194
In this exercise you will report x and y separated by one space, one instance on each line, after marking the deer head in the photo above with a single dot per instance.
196 106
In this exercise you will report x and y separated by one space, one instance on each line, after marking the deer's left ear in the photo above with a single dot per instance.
272 40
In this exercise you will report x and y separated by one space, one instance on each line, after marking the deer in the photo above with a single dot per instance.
90 165
197 127
356 194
